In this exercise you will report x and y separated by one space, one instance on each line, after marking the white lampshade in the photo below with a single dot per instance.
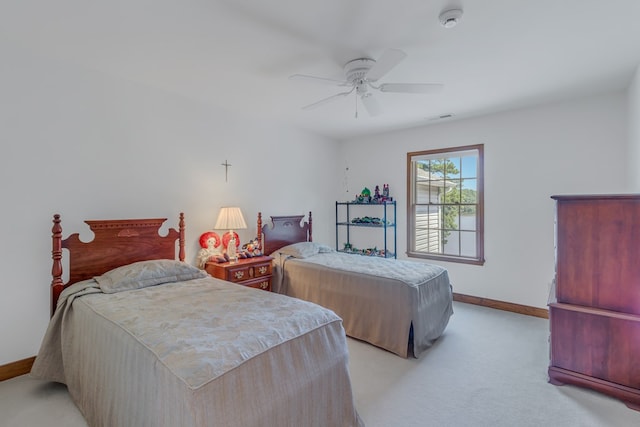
230 218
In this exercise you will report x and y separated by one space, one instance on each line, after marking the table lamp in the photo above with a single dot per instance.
230 218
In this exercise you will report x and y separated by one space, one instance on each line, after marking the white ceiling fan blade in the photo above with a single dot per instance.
371 104
322 80
389 59
411 87
326 100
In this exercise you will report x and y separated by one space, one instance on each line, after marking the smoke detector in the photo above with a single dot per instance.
450 18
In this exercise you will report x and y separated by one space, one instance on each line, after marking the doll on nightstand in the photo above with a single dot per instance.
209 242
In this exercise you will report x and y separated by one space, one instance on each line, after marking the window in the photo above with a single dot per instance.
445 204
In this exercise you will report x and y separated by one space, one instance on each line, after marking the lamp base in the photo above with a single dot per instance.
232 251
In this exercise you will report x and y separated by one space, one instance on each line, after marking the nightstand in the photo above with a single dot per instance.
253 272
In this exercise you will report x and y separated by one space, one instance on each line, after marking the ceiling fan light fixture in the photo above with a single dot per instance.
450 18
361 77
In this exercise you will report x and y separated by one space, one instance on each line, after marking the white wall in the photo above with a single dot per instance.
91 146
530 154
634 132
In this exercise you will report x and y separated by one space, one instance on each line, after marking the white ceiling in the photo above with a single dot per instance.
238 54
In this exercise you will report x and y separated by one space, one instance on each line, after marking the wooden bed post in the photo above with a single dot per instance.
259 235
181 255
56 254
310 236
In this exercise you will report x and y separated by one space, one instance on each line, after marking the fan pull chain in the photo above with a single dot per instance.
356 98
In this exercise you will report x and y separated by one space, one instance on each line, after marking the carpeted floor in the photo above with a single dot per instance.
489 369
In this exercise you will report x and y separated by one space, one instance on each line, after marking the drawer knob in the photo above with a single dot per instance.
263 269
239 274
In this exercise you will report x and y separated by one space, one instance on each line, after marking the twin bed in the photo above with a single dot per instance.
142 339
401 306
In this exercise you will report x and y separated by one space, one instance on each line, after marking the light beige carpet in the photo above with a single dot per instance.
489 369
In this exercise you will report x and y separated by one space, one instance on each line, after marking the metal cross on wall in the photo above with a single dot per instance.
226 170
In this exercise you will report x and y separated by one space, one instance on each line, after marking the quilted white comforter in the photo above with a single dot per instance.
201 352
401 306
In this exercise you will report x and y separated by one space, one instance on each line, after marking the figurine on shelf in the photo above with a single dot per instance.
376 193
365 196
385 195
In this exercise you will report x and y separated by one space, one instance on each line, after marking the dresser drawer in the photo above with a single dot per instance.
263 269
248 272
598 343
239 273
261 283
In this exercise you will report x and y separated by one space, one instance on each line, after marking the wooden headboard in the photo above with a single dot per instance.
283 231
116 243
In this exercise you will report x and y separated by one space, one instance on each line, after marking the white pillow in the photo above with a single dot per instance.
304 249
147 273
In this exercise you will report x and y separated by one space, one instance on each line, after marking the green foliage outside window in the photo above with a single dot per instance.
455 200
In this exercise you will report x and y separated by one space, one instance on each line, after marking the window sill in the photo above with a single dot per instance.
447 258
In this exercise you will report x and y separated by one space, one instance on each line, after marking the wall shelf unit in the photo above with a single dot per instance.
352 215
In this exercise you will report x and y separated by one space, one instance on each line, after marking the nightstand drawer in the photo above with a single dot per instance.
252 272
263 269
240 273
263 283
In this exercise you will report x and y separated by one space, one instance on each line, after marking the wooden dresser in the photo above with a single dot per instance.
595 315
253 272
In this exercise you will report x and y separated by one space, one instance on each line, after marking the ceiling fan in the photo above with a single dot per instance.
362 75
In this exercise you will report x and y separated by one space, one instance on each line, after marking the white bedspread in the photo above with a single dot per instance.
381 301
199 353
410 272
